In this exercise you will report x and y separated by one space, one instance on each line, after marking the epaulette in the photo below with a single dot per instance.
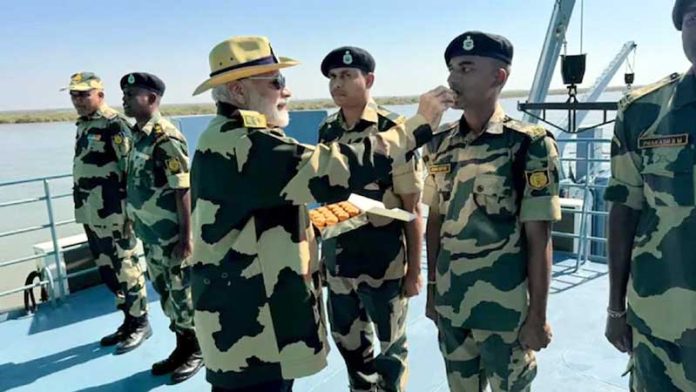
164 130
645 90
395 118
442 132
110 114
251 119
532 130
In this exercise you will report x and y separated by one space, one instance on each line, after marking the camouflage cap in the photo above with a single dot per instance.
84 81
680 6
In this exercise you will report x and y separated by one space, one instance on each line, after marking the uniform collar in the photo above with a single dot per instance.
147 128
226 109
369 114
101 112
494 126
685 90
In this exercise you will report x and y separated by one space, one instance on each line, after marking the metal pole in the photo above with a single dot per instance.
51 286
54 237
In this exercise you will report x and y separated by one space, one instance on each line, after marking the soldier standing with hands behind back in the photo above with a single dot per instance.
159 204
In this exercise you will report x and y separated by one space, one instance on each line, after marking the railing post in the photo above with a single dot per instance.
60 274
51 288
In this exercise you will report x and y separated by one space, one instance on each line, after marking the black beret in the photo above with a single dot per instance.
476 43
143 80
348 56
678 12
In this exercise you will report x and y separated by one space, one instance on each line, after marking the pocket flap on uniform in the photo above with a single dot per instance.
490 185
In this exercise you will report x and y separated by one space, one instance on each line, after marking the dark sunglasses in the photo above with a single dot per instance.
277 81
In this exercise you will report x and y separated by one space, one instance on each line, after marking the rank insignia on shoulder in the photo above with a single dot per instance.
118 139
157 129
173 165
663 141
253 119
440 169
538 179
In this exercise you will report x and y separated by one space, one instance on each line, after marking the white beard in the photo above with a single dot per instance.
274 117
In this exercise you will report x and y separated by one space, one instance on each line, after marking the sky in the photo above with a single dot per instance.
44 41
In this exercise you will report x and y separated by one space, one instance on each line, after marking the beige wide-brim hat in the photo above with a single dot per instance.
241 57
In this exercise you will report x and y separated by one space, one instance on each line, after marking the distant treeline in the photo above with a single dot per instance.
58 115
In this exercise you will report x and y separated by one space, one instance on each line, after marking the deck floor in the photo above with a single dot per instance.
57 349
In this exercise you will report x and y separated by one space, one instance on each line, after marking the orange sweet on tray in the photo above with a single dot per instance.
332 214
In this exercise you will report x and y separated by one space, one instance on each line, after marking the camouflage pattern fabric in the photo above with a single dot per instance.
361 261
376 251
653 172
172 284
157 167
660 365
476 358
102 143
485 188
357 311
484 193
254 280
119 267
84 81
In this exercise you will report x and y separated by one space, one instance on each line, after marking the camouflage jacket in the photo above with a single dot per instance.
157 166
376 250
484 188
102 143
652 168
258 308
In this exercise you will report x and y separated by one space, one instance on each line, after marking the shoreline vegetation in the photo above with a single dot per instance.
68 115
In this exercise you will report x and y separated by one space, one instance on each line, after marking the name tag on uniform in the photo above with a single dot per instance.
663 141
438 169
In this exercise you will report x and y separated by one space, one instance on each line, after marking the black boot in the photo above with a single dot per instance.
192 359
137 332
119 335
175 359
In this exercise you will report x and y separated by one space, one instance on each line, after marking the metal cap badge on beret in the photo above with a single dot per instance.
143 80
476 43
680 6
84 81
239 57
348 56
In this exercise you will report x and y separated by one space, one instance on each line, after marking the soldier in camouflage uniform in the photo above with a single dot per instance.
254 280
652 222
102 144
159 205
492 188
366 268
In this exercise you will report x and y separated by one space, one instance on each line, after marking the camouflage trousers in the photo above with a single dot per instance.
172 283
357 310
660 365
115 256
475 358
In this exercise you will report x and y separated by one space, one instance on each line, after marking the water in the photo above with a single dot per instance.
46 149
